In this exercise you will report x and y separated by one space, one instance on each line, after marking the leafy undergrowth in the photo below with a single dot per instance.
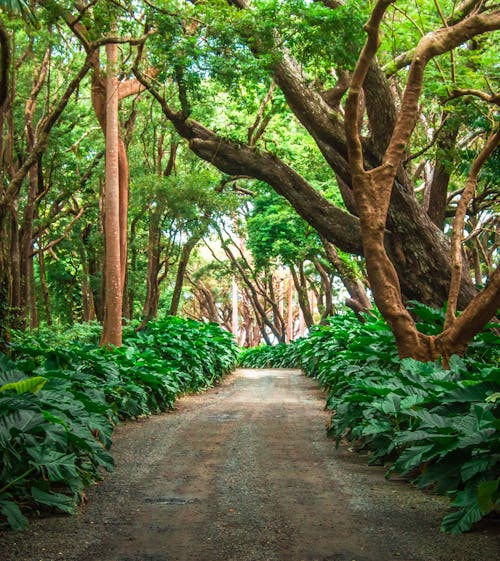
437 427
60 399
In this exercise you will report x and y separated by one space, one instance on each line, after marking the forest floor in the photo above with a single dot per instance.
245 472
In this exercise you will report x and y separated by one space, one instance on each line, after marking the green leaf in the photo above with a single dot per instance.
31 384
461 520
469 512
56 465
56 500
488 495
412 458
15 518
477 465
18 422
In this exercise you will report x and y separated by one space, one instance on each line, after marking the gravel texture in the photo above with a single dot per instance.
244 472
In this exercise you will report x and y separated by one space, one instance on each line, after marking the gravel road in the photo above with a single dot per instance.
244 472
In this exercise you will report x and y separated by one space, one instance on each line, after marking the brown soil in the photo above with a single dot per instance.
244 472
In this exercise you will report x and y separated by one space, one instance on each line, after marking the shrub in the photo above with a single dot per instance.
59 401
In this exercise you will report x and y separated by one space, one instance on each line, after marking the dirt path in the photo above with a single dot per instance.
245 472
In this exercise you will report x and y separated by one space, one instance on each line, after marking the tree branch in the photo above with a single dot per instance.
352 108
458 225
67 230
490 98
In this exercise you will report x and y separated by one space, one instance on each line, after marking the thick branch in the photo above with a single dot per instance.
489 98
354 146
481 309
340 227
459 222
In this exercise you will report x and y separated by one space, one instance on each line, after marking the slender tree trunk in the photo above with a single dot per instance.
4 65
253 295
260 316
358 299
181 271
289 315
476 259
34 321
112 329
44 288
26 230
129 295
278 320
326 283
26 242
234 307
123 196
18 319
301 288
150 308
87 295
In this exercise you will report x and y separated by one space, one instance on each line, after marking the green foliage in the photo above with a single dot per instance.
59 401
276 231
437 427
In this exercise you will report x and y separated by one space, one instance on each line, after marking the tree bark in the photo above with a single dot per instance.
150 308
301 288
373 188
44 288
326 283
419 251
355 288
458 227
181 271
112 328
438 189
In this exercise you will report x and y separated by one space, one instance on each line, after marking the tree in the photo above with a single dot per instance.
22 163
414 249
112 328
372 191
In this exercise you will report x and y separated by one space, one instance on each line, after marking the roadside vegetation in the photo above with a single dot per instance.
263 165
434 426
61 395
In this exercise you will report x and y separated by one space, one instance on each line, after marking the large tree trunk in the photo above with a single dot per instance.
112 328
418 249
